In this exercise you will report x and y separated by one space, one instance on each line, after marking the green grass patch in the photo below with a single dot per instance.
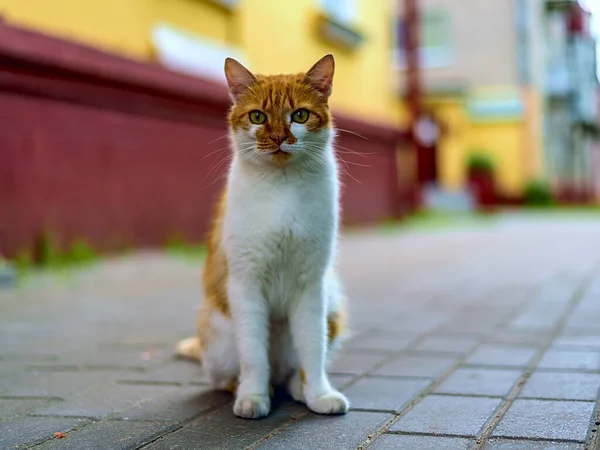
435 220
177 246
47 259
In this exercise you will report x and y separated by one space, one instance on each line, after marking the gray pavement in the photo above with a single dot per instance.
487 338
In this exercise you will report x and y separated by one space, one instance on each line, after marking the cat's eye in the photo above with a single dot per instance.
300 115
257 117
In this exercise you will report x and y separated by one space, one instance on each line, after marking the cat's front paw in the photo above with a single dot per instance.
332 402
252 406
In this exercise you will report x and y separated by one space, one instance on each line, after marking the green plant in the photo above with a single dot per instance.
23 262
177 246
80 253
479 161
175 242
538 193
46 250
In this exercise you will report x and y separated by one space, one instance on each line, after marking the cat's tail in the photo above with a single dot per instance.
189 348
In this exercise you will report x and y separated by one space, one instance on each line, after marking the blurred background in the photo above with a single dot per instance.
112 112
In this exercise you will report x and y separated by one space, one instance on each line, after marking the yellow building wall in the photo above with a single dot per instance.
276 36
120 26
504 142
451 150
532 133
280 36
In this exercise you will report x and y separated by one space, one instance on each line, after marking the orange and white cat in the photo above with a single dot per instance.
273 308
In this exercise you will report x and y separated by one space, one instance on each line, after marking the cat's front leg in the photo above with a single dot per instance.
250 317
308 324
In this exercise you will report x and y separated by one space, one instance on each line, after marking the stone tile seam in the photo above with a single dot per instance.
492 422
460 361
593 439
51 438
458 435
428 390
178 427
356 379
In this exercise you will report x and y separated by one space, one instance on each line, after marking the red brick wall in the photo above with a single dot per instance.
123 153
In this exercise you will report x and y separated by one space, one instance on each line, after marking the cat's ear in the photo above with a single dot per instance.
320 76
238 78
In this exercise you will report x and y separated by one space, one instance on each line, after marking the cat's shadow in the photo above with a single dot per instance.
218 405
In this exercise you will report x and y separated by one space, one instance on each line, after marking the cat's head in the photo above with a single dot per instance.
280 118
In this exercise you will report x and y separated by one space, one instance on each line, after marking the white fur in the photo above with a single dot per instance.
279 235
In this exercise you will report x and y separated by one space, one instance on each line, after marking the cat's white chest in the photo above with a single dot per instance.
279 218
280 232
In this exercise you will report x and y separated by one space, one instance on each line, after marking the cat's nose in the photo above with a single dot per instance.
278 138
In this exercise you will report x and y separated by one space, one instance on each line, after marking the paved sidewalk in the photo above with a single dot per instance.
488 338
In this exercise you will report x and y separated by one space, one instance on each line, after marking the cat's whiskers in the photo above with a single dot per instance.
227 147
218 139
219 162
354 133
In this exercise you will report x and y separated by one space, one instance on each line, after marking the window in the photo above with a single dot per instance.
228 4
337 25
183 51
435 50
344 11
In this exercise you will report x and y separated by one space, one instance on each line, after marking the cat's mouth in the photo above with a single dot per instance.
280 156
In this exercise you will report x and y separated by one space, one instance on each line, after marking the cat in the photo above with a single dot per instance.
274 309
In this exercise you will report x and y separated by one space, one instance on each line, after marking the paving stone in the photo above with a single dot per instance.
380 342
125 360
412 442
13 407
518 337
222 430
546 419
464 303
11 367
175 372
42 384
566 359
582 319
590 342
340 381
446 345
102 402
112 434
581 331
355 363
536 329
27 431
539 316
29 356
415 321
502 355
567 386
448 415
416 366
509 444
384 394
472 326
322 432
180 405
492 382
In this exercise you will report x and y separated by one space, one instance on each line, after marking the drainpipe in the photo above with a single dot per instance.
413 82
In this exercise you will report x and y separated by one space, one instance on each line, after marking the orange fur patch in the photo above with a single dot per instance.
336 324
232 386
214 277
302 374
278 97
